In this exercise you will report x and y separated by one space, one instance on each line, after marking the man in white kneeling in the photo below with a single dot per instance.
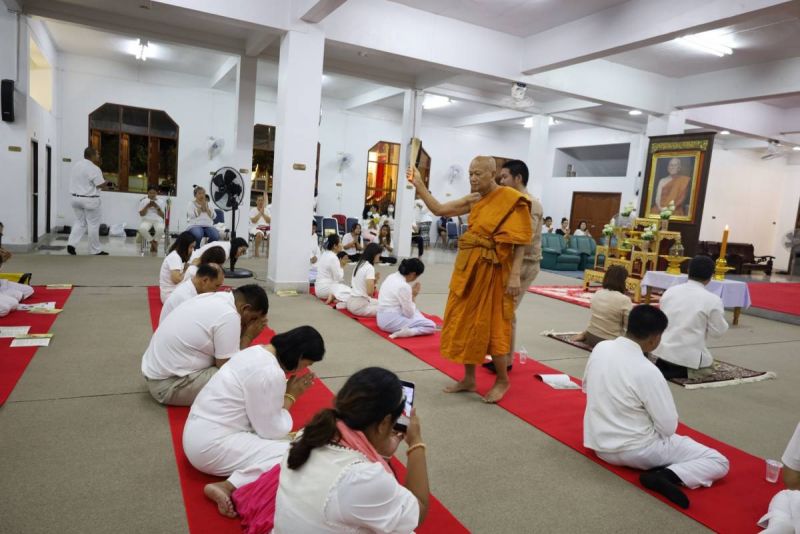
11 293
207 279
197 338
631 418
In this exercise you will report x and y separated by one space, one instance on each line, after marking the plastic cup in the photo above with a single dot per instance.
773 470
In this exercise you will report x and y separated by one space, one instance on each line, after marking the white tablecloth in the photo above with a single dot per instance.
734 294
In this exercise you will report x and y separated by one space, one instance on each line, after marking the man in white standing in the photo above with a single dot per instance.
631 419
694 314
152 214
85 183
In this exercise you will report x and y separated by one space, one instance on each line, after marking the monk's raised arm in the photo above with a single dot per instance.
453 208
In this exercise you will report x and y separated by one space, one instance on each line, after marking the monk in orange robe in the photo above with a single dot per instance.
672 188
486 276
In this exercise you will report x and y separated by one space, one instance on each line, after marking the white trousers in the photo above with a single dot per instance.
394 321
146 226
87 217
222 451
784 513
695 464
14 290
7 305
363 306
340 292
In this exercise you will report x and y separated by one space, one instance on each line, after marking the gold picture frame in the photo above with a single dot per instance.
669 181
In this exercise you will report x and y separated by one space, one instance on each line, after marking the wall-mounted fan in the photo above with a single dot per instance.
454 172
227 192
774 150
518 98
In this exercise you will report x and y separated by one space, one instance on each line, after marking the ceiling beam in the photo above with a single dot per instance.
258 41
632 25
749 118
489 117
479 97
13 5
227 66
740 84
371 97
432 78
585 117
320 9
567 104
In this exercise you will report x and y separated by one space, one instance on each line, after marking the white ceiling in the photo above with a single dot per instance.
784 102
517 17
758 40
75 39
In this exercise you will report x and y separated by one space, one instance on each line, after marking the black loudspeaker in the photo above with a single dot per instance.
7 100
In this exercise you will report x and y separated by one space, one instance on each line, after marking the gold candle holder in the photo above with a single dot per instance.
674 263
721 268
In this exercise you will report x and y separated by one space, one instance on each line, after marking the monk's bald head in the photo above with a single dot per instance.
482 170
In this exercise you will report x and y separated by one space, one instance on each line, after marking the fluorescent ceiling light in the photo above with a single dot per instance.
552 122
634 112
142 50
725 132
707 44
796 148
435 101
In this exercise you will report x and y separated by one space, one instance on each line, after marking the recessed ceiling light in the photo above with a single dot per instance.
528 123
725 132
634 112
435 101
796 148
706 43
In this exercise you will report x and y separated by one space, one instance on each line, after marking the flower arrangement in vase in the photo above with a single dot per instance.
666 213
608 231
648 236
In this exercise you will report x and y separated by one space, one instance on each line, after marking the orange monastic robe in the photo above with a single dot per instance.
675 190
477 320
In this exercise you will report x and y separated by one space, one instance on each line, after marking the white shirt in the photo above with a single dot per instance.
791 457
198 331
172 262
226 246
395 295
359 282
628 402
580 232
329 271
261 221
347 240
314 247
151 214
246 395
693 314
384 251
183 292
84 179
339 490
195 217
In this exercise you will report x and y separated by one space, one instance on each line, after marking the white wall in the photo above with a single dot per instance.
558 190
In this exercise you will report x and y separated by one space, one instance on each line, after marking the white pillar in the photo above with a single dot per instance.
676 122
404 208
298 112
246 81
538 159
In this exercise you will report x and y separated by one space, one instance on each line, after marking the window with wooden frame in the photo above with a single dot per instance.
138 148
383 170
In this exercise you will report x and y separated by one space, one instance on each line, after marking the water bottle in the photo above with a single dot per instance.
523 355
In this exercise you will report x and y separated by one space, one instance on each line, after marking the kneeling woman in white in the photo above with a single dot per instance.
335 478
330 272
365 280
784 509
397 313
174 265
239 422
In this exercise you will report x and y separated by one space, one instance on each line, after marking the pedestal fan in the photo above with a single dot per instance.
227 193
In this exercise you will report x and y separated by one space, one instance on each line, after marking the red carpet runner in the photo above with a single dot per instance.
201 513
783 298
16 360
733 504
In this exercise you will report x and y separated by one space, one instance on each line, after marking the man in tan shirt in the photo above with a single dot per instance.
515 174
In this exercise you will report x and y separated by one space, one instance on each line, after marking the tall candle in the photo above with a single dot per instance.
724 247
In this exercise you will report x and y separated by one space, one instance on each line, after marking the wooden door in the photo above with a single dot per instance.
124 162
597 209
35 189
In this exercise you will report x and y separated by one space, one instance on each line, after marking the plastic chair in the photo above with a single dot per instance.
329 226
319 218
425 232
452 234
341 221
351 222
219 216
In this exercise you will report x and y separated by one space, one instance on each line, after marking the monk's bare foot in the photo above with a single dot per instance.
220 493
497 392
460 387
329 300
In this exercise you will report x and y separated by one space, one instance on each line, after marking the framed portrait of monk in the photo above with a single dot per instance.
674 178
